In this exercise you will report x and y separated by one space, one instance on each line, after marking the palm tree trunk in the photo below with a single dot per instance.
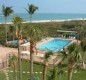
32 46
55 76
31 18
44 72
31 59
70 70
19 59
15 76
31 66
70 73
83 63
6 29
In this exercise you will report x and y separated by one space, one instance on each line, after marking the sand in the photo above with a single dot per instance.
4 52
44 21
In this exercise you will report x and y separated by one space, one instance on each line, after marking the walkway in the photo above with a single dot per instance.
4 54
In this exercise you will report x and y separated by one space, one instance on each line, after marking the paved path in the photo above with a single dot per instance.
11 71
6 74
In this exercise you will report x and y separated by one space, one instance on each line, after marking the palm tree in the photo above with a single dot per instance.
57 70
60 70
12 63
6 11
83 49
46 60
52 75
17 21
34 33
60 66
73 56
31 10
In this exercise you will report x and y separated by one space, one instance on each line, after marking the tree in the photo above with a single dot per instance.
12 31
52 75
34 33
12 63
6 11
17 21
73 56
46 60
31 10
83 49
57 70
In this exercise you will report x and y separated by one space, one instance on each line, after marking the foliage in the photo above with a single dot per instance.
49 28
34 32
6 10
12 31
47 55
83 45
31 9
74 52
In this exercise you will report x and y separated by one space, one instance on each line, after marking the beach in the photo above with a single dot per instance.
45 21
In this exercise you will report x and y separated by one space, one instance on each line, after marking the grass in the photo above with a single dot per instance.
25 67
80 75
2 75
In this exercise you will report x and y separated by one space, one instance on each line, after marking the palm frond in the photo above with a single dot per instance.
34 32
31 9
6 10
47 55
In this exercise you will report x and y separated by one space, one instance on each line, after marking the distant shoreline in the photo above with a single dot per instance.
45 17
44 21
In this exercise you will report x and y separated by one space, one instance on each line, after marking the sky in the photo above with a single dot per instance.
47 6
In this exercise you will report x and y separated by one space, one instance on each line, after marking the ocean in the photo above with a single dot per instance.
44 16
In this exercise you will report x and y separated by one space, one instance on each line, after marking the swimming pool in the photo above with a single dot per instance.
54 45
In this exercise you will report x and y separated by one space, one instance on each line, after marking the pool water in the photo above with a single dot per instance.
54 45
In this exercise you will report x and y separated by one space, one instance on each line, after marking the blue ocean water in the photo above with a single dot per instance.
44 16
54 45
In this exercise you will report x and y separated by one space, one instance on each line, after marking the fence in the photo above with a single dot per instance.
4 61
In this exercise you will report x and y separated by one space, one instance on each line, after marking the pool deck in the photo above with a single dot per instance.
38 56
4 51
4 54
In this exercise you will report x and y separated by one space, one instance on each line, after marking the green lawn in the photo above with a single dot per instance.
25 67
2 75
80 75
